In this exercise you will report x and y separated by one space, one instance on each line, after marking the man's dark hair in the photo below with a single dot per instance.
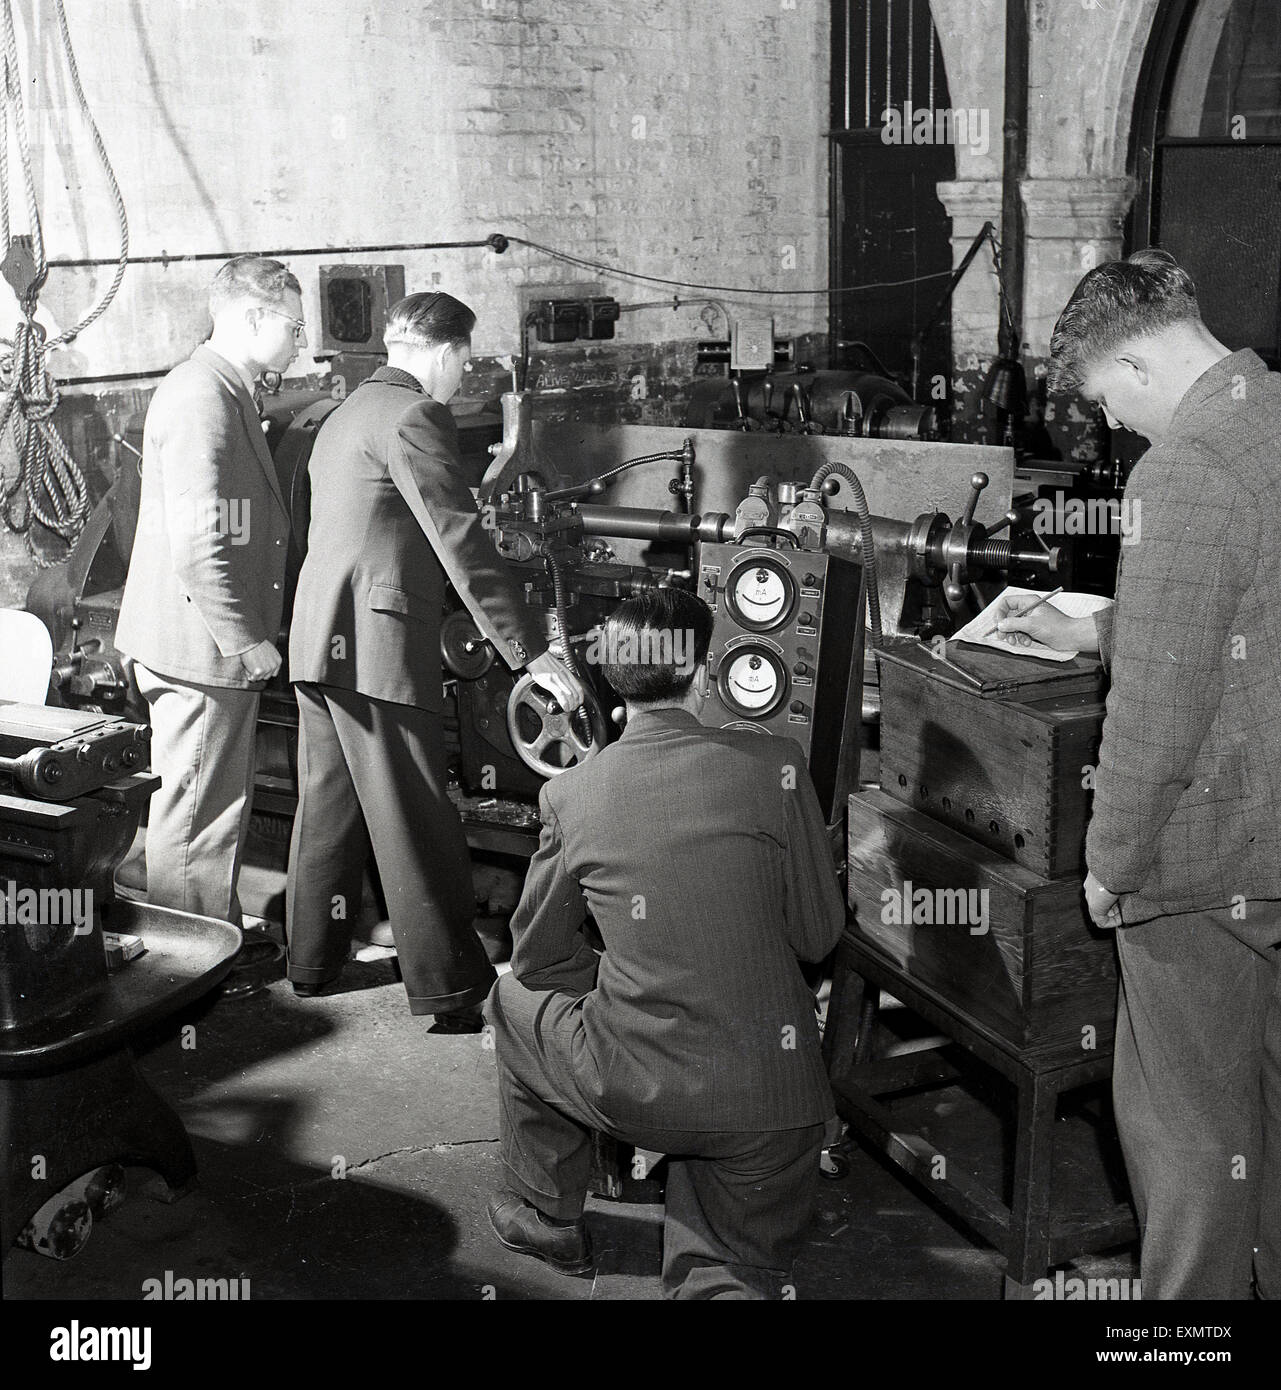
1114 302
425 320
255 278
652 645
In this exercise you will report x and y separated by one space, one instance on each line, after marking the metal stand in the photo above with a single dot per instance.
71 1095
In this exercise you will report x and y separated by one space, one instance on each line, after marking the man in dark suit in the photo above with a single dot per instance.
392 519
200 614
703 858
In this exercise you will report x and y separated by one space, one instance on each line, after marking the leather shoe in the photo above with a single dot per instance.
521 1227
306 989
380 934
460 1021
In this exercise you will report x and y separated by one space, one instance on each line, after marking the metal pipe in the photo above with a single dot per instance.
918 338
495 242
1013 169
641 524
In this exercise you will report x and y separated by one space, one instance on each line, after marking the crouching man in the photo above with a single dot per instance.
702 857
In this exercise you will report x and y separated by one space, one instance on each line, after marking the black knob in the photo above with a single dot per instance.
810 580
801 669
797 707
805 619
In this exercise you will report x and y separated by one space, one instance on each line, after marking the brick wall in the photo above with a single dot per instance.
683 139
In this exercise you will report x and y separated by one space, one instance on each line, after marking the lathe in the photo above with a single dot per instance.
766 526
784 571
73 1105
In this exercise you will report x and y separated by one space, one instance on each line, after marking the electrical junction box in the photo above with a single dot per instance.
751 347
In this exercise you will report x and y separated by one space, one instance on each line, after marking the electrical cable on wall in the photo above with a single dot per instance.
717 289
49 487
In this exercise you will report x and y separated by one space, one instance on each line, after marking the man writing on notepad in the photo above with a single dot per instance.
1184 843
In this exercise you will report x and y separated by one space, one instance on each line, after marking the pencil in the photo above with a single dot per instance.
1026 611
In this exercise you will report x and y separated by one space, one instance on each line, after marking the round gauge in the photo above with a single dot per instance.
760 595
752 682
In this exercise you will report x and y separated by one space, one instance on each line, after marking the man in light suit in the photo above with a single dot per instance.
200 614
392 519
702 856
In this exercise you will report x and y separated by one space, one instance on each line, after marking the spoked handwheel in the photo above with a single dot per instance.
548 739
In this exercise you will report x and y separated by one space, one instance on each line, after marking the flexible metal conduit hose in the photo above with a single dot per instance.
560 598
865 530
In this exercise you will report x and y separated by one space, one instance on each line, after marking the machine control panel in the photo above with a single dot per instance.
786 641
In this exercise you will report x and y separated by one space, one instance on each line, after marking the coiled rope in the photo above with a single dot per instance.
48 487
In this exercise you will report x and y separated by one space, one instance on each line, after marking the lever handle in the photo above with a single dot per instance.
978 482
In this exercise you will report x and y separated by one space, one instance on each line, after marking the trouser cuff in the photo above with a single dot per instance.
452 1003
314 974
560 1207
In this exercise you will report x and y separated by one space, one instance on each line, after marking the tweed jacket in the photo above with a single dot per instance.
392 519
1187 802
703 858
206 575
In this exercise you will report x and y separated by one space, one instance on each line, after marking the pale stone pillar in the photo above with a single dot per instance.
1072 225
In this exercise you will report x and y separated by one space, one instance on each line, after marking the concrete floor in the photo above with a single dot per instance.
281 1095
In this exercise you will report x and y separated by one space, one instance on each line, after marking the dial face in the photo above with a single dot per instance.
752 682
760 595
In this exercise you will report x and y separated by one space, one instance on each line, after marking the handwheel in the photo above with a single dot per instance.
548 739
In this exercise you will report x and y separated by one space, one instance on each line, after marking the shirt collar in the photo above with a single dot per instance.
250 383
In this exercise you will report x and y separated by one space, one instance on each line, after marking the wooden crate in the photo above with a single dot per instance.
1006 770
1040 975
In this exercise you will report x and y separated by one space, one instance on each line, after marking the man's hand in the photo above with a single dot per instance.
1104 906
1047 624
261 662
550 674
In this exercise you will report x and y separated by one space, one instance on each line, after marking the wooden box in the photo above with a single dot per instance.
1007 767
1029 965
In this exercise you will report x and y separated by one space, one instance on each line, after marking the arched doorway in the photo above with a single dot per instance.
1207 155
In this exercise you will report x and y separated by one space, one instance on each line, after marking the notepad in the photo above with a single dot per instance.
1074 605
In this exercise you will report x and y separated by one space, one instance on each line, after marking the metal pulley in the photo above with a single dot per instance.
464 651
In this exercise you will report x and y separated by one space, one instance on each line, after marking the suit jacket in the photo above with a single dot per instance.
1187 799
703 858
208 566
392 519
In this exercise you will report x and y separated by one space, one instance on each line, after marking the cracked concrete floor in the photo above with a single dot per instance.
347 1153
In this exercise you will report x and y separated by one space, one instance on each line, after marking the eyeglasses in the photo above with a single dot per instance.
300 326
